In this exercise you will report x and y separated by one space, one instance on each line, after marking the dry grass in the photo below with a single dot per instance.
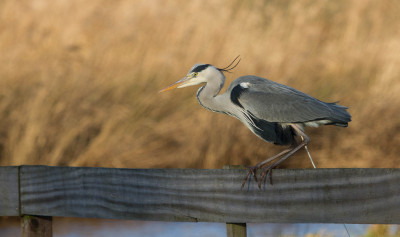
382 230
79 80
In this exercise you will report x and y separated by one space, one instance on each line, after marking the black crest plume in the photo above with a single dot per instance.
230 67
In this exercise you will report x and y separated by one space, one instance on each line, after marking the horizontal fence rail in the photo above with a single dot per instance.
9 191
297 196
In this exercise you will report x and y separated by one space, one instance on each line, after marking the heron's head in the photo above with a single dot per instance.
201 73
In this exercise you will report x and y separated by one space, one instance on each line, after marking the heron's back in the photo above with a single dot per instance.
274 102
273 106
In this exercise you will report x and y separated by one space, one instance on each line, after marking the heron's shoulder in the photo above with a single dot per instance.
251 79
247 85
254 83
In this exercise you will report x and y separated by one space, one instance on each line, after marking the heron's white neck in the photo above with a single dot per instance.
208 95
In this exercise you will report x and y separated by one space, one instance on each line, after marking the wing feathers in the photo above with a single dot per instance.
275 102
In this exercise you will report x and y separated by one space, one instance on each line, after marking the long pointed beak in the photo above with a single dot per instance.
175 84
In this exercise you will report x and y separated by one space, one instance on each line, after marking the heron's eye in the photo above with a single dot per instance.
194 74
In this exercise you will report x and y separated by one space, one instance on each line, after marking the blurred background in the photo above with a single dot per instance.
79 80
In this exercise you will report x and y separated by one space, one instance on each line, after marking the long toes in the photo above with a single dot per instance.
245 179
254 174
270 176
261 178
253 171
266 172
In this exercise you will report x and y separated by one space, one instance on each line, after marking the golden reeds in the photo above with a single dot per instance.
79 80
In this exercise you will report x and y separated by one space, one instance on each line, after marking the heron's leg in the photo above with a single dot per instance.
262 163
268 170
253 169
309 155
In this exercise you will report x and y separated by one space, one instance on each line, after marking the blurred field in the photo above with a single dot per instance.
79 80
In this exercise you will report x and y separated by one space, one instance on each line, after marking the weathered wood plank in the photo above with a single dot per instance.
302 195
235 229
9 197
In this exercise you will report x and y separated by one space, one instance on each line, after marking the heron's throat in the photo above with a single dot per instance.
208 96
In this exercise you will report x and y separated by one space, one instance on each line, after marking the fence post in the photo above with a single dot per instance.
36 226
235 229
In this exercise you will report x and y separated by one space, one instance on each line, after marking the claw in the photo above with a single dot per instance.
266 172
252 170
245 180
270 177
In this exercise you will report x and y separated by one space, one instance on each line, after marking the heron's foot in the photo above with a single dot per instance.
266 172
252 171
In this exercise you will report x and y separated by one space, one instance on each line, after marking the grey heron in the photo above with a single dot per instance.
274 112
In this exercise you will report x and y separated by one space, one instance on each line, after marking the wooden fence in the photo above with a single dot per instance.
37 193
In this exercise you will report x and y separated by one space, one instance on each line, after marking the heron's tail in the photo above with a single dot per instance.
339 115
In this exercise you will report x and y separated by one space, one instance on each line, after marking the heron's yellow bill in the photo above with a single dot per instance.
174 85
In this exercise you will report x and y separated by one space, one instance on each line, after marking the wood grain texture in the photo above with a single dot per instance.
236 230
36 226
297 196
9 197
